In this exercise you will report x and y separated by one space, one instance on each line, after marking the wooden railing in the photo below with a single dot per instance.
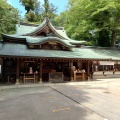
29 76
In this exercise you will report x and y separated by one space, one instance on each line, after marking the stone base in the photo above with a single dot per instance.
17 82
40 81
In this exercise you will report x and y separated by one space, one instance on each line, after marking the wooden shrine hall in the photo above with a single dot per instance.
44 53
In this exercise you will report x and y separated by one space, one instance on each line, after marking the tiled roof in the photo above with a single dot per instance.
21 50
26 34
24 29
37 40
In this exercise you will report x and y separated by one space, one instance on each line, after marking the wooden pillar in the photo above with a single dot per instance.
88 70
40 74
17 72
71 71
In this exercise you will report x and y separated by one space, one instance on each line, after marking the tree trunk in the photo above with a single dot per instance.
113 38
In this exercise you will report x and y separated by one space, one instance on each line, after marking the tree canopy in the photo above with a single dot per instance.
28 4
36 12
8 17
90 19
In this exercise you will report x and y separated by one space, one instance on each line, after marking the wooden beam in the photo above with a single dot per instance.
88 69
17 72
40 74
71 71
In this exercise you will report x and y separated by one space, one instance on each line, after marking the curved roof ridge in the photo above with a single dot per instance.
40 27
14 36
31 40
76 42
56 31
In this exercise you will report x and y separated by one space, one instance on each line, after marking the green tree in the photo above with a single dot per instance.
49 10
47 7
28 4
61 20
31 17
103 38
77 25
85 16
38 7
36 12
8 17
107 16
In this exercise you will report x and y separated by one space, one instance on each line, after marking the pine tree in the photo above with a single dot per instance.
46 6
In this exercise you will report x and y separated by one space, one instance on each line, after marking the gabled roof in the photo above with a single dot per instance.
46 23
37 34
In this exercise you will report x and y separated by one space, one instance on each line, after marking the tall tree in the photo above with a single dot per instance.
31 17
108 15
84 18
46 6
49 10
38 7
36 12
104 38
28 4
8 17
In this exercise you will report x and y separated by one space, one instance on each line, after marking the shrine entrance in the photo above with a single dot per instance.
26 70
29 70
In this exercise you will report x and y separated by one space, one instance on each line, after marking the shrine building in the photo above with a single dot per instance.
44 53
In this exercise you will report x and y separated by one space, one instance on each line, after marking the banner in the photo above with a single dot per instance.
106 63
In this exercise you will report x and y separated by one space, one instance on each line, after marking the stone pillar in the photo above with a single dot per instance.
71 71
40 74
17 72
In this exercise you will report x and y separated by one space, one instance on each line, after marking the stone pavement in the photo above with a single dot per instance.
90 81
89 100
102 97
42 103
97 79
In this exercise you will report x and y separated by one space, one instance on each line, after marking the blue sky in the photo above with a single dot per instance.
61 5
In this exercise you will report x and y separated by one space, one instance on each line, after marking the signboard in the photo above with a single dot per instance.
106 63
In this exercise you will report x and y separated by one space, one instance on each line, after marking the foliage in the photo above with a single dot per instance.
28 4
36 12
108 17
103 39
90 43
89 19
61 20
47 7
8 17
38 7
31 17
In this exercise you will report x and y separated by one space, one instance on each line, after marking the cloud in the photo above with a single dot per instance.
9 2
